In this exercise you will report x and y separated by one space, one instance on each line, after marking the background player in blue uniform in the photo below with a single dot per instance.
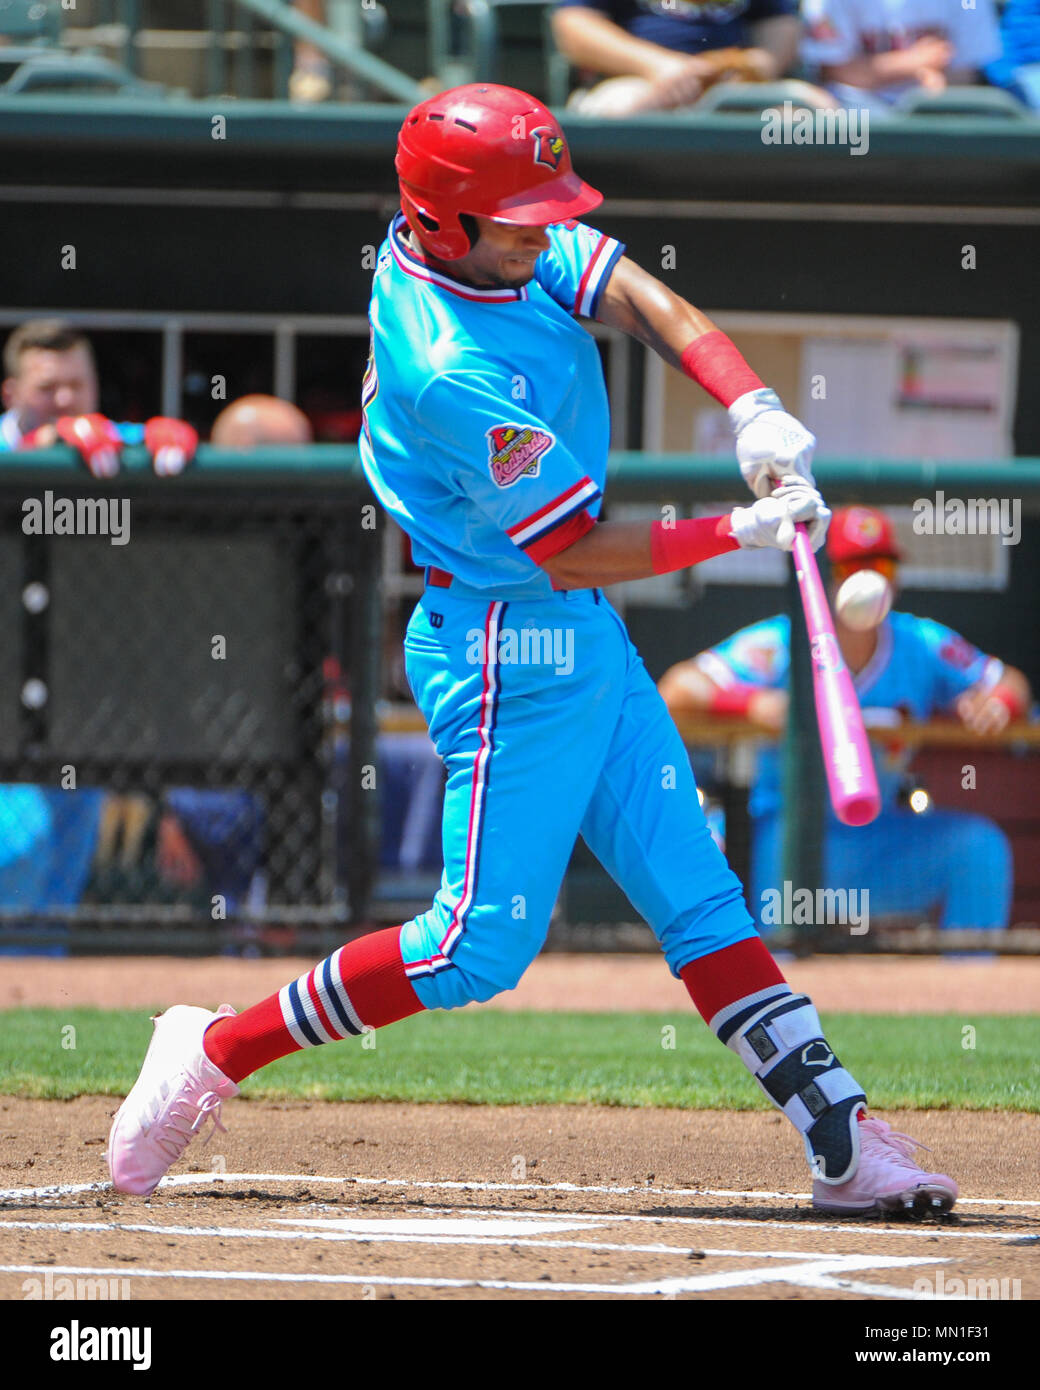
485 436
905 667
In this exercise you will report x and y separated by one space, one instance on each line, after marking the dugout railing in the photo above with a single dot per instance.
201 670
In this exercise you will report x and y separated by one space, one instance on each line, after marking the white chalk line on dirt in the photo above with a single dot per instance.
855 1226
381 1235
806 1274
189 1179
594 1219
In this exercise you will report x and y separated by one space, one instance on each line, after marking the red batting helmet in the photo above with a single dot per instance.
488 151
861 533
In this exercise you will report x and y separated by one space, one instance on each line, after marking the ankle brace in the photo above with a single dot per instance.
781 1043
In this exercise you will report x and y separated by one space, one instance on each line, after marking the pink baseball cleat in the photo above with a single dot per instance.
178 1090
887 1178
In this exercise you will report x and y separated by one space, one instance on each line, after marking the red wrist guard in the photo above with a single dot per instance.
689 542
1008 697
714 361
734 699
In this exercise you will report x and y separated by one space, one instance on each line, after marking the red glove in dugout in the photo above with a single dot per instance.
171 443
95 439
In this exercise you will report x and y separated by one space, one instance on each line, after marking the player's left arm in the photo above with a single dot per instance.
770 443
983 692
777 39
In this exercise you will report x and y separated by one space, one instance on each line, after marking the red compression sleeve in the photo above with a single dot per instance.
689 542
732 699
714 361
1010 698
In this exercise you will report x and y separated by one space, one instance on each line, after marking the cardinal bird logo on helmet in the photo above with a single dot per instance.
863 527
548 146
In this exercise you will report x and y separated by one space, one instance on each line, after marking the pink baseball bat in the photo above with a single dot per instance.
851 778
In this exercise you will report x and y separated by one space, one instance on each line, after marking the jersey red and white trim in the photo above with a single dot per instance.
560 538
598 269
525 533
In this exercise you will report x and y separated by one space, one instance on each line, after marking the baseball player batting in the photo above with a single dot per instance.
485 436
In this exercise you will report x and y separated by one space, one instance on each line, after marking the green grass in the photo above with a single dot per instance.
484 1057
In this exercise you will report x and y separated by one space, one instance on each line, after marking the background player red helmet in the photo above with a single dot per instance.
489 151
861 533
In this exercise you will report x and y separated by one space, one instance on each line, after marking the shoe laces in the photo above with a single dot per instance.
185 1118
898 1148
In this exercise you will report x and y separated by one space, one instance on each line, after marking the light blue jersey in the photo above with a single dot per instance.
955 862
486 436
486 424
919 668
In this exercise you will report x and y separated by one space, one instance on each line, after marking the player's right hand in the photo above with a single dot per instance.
770 522
95 439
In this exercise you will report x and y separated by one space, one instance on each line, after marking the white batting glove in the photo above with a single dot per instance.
771 520
770 443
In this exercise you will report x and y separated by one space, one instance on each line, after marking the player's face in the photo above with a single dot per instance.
503 256
51 384
841 569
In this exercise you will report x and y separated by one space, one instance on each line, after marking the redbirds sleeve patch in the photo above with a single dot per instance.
958 653
515 452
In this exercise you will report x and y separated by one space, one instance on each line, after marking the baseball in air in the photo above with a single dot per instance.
863 600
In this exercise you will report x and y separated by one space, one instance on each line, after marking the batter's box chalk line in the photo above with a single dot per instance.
454 1184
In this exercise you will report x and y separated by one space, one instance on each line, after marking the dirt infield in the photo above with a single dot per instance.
341 1201
357 1201
872 984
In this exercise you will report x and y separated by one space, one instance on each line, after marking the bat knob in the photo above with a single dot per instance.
860 810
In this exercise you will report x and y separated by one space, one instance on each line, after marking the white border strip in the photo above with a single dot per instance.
669 1287
412 1238
455 1185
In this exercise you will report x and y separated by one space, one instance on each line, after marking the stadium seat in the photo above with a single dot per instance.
38 63
974 102
31 19
55 71
27 29
752 98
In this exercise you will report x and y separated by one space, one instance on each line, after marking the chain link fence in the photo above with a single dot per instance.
180 768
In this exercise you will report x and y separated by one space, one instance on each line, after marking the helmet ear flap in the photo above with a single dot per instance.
468 223
445 241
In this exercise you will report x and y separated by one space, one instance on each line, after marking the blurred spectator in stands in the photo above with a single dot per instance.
312 77
904 667
213 837
1018 67
254 420
872 52
662 55
50 392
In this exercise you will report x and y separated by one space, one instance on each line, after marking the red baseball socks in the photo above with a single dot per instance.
359 987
